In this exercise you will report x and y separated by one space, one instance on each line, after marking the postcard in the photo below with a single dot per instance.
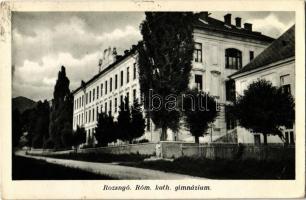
152 99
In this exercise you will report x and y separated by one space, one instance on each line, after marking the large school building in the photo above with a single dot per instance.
221 49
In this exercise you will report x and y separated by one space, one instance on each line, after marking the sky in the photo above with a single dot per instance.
44 41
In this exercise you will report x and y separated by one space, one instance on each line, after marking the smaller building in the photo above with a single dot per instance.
277 65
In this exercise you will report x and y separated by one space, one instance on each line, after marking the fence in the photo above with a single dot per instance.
241 151
142 149
170 149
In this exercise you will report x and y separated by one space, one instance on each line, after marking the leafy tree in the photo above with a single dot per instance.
61 111
79 136
101 133
200 110
106 129
165 58
16 127
264 109
124 121
137 121
41 122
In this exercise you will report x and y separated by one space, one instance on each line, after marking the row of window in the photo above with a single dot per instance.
95 92
91 115
230 89
289 138
233 57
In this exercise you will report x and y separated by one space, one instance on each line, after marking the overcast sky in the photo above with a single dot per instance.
43 42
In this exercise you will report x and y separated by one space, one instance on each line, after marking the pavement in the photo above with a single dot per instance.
113 170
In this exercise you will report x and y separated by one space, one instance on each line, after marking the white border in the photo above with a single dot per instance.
92 189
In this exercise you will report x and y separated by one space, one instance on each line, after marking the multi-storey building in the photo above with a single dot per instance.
221 48
277 65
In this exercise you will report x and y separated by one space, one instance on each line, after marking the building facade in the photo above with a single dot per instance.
277 65
221 49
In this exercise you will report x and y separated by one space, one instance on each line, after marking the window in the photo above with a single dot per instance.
101 89
86 117
285 83
230 120
121 78
230 90
110 84
134 95
82 100
127 75
134 71
82 118
115 105
128 97
148 124
110 107
105 108
105 87
197 52
93 94
89 114
121 99
93 114
89 96
257 139
116 81
198 81
97 92
86 97
101 107
233 59
251 55
97 111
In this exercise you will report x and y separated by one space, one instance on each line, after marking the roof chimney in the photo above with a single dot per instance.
204 16
248 26
238 22
227 19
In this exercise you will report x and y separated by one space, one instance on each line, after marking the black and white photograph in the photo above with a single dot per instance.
153 95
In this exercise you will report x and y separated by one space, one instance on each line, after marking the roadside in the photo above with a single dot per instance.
112 170
237 169
32 169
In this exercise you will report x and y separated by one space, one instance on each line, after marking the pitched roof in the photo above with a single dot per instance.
220 26
213 25
280 49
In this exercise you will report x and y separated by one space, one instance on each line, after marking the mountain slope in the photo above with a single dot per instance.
22 103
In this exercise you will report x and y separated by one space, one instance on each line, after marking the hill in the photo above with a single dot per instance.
22 103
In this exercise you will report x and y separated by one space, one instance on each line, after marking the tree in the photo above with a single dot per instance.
101 130
41 123
79 136
264 109
165 57
124 121
16 127
61 111
137 122
199 110
106 130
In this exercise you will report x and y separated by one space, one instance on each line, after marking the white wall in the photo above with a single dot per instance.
212 68
273 75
